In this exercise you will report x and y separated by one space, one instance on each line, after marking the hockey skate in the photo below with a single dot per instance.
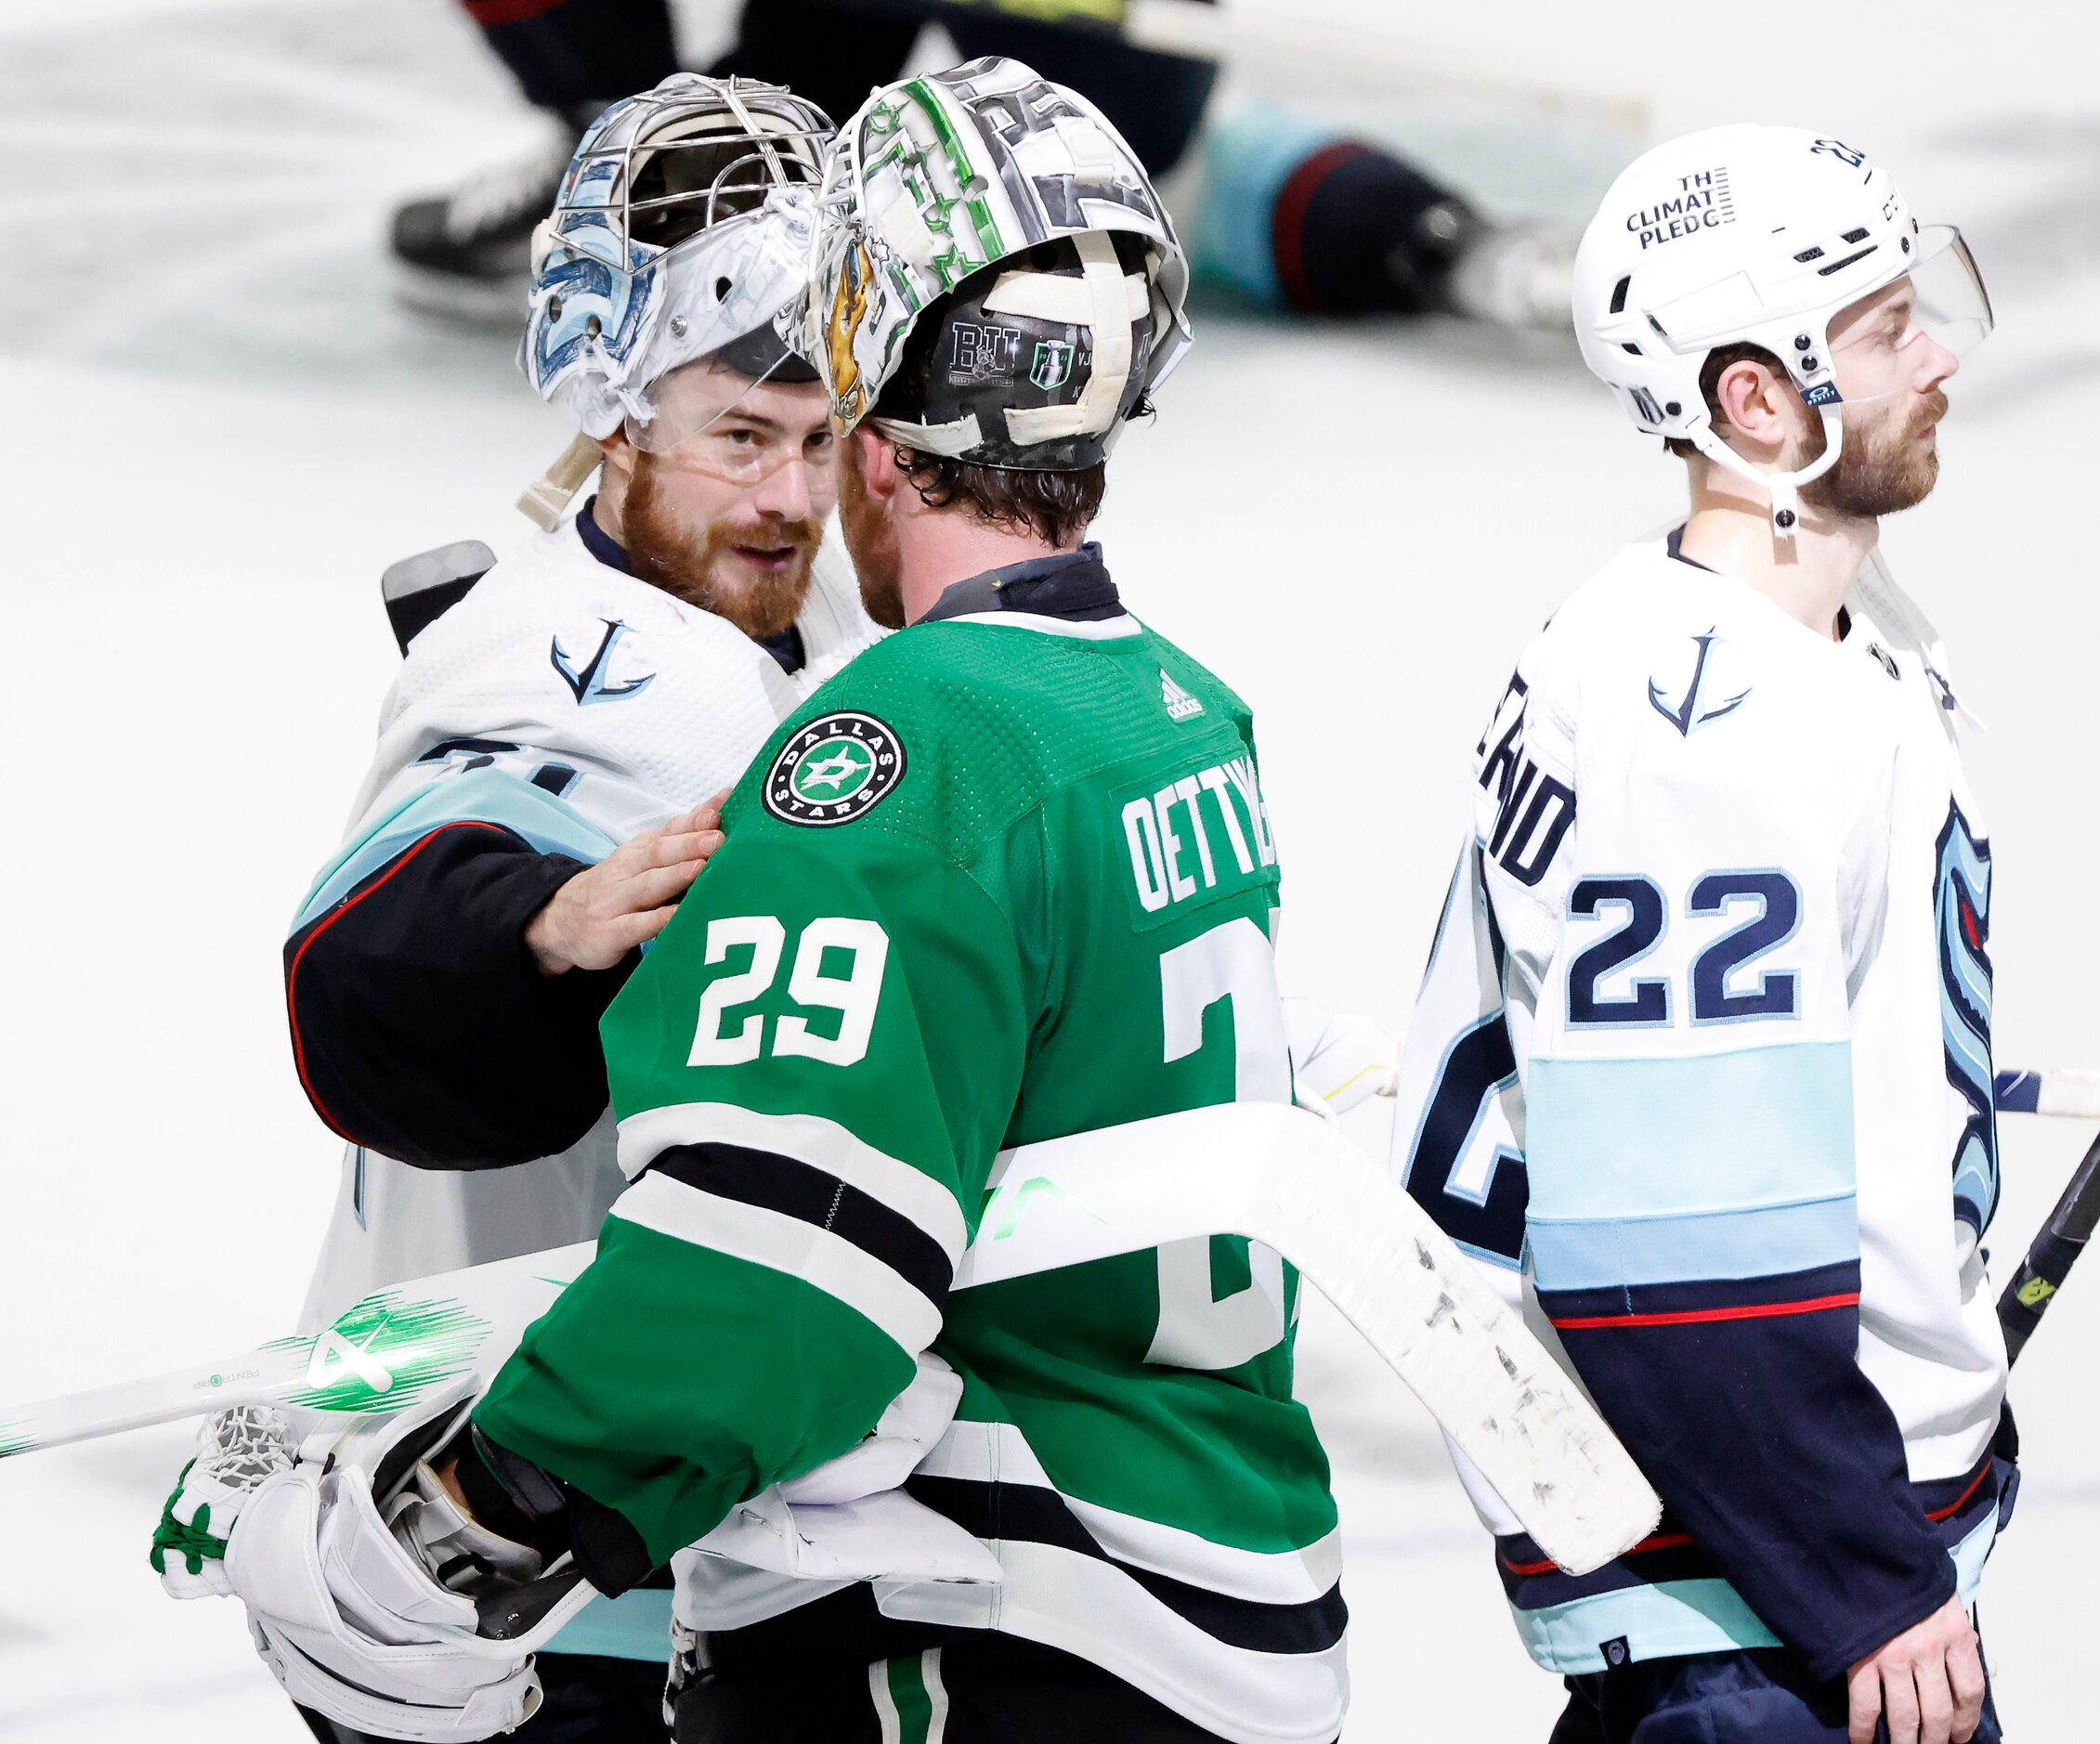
466 254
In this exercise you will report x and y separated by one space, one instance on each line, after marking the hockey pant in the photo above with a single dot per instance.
588 1700
1756 1696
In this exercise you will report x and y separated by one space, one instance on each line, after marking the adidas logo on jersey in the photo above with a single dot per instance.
1180 704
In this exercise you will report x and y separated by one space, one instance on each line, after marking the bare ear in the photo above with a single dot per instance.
1753 400
617 451
880 476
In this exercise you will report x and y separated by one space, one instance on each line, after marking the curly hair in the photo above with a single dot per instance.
1056 507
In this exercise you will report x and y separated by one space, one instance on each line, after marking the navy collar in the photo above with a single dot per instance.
1072 585
1675 547
598 542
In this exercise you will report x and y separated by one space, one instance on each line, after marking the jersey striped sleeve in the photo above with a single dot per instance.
420 1025
813 1069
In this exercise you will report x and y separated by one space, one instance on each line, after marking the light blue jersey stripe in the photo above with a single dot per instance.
1763 1241
490 796
1609 1139
636 1625
1679 1617
1657 1622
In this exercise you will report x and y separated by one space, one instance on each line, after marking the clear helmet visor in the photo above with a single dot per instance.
1898 339
723 419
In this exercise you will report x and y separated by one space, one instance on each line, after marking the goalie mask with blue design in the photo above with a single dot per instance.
680 238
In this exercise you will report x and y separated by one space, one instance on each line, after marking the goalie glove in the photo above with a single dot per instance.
392 1612
237 1451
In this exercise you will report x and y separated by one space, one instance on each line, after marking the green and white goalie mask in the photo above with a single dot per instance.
932 184
680 241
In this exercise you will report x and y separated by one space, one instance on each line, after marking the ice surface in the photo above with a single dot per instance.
221 430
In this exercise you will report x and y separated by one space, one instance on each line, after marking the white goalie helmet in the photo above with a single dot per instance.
681 231
935 181
1759 236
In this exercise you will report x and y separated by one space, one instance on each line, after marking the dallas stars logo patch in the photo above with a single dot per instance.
833 770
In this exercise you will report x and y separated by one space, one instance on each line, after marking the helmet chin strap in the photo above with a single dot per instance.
1784 488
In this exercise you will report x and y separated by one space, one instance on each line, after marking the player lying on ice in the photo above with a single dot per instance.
1702 1055
984 888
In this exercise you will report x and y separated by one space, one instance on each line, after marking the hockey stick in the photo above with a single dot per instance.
386 1352
1304 1189
2051 1256
2068 1093
1276 1175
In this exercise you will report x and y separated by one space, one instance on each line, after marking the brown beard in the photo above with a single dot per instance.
1877 473
872 545
698 569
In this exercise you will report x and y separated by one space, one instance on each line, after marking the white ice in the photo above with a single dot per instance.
221 430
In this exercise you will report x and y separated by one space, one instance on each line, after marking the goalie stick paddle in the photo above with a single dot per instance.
2051 1256
1274 1174
1292 1181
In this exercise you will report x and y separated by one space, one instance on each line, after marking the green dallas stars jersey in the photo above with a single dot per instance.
1006 878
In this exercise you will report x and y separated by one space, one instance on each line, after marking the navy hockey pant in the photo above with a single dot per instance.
1759 1697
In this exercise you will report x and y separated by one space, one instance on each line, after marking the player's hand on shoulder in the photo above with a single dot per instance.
1927 1683
237 1451
624 901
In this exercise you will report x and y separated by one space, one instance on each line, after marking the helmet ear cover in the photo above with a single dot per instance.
1031 364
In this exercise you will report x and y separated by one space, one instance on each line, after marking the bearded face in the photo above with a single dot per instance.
1889 461
712 546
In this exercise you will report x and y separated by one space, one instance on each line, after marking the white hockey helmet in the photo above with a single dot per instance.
1761 236
937 179
682 231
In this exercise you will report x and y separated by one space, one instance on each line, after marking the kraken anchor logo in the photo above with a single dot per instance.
590 684
1685 717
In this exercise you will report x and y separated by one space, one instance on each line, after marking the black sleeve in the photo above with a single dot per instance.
420 1026
510 1495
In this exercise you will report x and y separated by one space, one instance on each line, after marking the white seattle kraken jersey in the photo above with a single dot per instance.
575 705
1711 999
